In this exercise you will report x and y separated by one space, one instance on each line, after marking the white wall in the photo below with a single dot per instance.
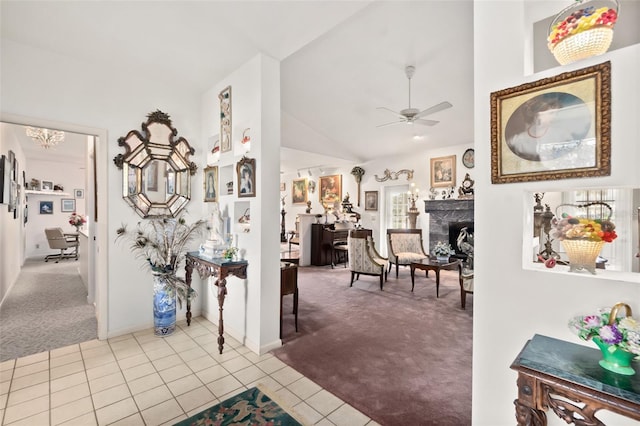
512 304
252 306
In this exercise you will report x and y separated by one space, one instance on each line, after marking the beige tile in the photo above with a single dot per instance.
27 394
195 398
191 354
226 355
111 395
138 371
232 393
153 397
67 369
184 384
174 420
324 402
40 419
106 382
286 376
153 344
162 412
55 353
373 423
223 386
271 365
304 388
160 353
102 370
324 422
288 397
133 420
7 365
176 372
70 394
145 383
307 414
114 412
31 359
167 362
95 351
125 344
133 361
267 381
201 363
3 401
68 381
128 352
71 410
99 360
30 380
249 374
35 367
202 407
255 358
346 415
236 364
26 409
184 345
88 419
65 359
212 373
91 344
4 387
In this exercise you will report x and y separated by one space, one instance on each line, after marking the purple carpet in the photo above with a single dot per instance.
401 358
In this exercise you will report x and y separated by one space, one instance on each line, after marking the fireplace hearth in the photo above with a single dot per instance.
442 213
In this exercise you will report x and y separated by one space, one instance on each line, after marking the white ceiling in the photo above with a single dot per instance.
340 61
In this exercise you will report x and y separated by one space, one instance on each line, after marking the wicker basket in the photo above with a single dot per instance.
593 41
582 254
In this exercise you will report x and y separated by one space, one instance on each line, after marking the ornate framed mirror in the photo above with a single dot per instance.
156 170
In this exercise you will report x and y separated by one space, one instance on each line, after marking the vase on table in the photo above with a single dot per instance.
442 259
77 228
615 359
582 254
164 306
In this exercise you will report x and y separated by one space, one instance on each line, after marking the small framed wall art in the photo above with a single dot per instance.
330 189
78 193
225 119
555 128
443 171
371 200
47 185
246 169
211 184
46 207
299 191
68 205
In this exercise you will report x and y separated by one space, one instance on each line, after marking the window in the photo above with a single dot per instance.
396 202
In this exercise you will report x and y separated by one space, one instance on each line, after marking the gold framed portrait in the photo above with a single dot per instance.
443 171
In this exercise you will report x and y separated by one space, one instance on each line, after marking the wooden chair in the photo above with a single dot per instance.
66 243
466 285
404 246
364 258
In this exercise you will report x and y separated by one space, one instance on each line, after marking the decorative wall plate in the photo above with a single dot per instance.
468 158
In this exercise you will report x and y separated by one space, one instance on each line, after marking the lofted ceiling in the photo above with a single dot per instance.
341 60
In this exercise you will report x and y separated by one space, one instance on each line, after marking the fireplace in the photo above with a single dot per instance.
442 213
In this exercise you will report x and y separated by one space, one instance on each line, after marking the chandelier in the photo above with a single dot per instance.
45 137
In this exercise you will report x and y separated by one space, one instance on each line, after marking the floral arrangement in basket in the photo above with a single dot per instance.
581 20
442 249
569 227
620 332
77 220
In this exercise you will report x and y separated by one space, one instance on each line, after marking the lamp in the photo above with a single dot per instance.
413 210
45 137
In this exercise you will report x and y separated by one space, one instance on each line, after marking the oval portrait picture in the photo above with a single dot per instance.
549 126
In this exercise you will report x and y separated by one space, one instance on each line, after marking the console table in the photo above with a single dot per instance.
567 378
220 269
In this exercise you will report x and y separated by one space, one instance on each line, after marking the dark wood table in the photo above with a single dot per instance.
220 269
289 285
431 264
567 378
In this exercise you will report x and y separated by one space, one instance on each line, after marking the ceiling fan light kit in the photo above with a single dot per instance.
413 115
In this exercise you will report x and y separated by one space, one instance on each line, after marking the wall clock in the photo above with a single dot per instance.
468 158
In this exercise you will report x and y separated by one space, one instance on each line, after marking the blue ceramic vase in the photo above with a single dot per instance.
164 307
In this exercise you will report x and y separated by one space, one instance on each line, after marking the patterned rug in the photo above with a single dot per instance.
251 407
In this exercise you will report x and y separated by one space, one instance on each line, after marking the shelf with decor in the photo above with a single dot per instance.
47 193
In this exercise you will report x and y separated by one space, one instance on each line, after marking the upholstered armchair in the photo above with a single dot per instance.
466 285
364 258
66 243
404 246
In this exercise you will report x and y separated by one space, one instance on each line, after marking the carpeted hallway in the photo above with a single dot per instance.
46 309
400 357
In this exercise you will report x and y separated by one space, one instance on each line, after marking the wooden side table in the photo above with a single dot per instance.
289 285
567 378
220 269
431 264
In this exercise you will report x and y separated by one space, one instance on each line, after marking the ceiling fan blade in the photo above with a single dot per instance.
434 109
393 122
425 122
390 110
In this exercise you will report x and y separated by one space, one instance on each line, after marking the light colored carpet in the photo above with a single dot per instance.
46 309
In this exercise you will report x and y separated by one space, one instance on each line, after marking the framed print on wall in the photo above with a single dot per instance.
443 171
225 119
330 189
78 193
299 192
555 128
246 169
371 200
46 207
47 185
68 204
211 184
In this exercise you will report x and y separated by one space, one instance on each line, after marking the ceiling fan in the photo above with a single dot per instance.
413 115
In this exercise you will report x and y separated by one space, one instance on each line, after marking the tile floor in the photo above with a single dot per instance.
140 379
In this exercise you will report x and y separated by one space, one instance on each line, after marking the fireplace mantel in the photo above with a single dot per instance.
441 212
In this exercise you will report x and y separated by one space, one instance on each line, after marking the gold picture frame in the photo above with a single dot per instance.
225 119
210 183
555 128
246 171
371 200
299 191
330 189
443 171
